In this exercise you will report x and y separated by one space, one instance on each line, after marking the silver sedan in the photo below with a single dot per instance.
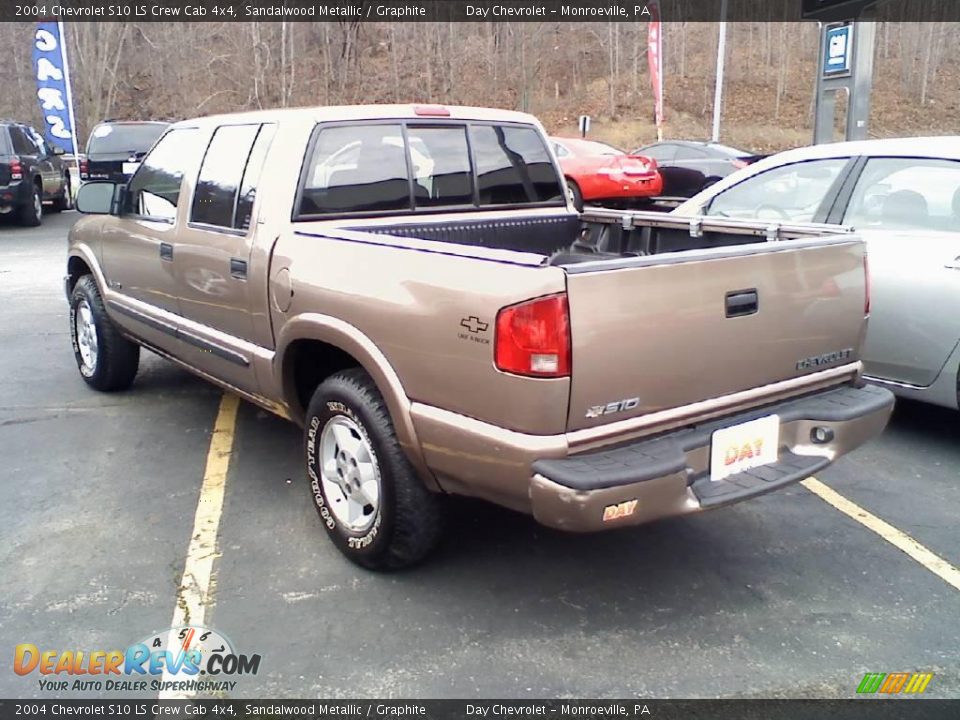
903 196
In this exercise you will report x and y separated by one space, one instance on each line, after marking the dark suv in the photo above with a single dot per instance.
116 147
31 173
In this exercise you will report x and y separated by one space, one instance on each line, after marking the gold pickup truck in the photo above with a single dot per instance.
413 286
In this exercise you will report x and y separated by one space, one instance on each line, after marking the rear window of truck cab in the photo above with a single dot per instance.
409 166
124 138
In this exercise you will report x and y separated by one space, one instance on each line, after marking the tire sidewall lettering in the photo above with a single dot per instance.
352 541
85 371
314 476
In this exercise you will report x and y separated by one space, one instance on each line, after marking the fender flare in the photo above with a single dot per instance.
351 340
85 253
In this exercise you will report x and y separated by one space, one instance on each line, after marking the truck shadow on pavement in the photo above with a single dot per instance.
496 560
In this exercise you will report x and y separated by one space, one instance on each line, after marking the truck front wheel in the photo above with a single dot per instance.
371 502
107 361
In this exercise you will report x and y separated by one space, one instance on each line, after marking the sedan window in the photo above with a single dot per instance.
906 193
790 192
685 152
660 153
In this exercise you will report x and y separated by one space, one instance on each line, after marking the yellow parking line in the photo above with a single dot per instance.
195 593
899 539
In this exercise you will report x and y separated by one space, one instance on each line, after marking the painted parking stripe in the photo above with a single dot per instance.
195 593
899 539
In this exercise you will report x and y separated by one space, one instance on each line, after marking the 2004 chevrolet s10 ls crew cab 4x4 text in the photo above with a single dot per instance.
413 286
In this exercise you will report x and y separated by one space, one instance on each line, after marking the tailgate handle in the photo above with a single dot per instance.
742 302
166 251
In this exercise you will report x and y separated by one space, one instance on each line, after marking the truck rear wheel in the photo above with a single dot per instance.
106 360
371 502
31 212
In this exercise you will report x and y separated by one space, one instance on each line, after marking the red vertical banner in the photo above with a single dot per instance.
655 62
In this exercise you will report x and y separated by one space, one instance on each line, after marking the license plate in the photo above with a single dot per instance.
744 446
129 168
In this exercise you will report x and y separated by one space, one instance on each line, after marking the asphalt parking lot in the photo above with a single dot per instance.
783 596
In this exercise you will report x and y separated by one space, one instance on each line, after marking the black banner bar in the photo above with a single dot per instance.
631 709
471 10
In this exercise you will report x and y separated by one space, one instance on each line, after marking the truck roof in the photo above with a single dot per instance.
333 113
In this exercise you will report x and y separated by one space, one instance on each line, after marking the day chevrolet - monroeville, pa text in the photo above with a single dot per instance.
413 285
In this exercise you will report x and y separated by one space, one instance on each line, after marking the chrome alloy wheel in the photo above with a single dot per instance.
37 205
350 475
86 331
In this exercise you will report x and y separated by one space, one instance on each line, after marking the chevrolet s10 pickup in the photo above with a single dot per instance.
413 286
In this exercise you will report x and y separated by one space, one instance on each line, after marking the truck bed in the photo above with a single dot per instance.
567 238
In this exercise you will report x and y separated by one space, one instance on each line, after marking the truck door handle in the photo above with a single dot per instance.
742 302
238 269
955 265
166 251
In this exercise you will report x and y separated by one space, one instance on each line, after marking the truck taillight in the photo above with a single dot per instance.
84 169
16 170
866 285
533 338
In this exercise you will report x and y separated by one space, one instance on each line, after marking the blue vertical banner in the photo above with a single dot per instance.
53 85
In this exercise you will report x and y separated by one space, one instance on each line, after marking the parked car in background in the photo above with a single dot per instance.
903 198
689 166
115 148
597 172
32 172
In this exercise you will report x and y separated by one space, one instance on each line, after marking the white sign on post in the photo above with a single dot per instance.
584 125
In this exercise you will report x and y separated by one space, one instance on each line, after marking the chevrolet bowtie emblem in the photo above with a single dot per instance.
474 324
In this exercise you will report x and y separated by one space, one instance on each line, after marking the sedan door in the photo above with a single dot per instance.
908 209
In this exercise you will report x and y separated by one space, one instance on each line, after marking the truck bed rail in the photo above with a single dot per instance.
697 226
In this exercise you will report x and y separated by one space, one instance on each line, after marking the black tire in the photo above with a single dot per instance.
116 358
407 521
65 201
577 195
31 213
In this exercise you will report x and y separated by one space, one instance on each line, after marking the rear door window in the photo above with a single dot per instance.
251 177
440 159
685 152
659 153
22 144
357 168
154 191
513 166
215 198
906 193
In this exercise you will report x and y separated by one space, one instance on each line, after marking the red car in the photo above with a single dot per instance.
595 171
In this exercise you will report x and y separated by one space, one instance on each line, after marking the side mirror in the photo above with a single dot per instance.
97 198
57 150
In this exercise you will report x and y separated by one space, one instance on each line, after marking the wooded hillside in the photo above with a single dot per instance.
555 70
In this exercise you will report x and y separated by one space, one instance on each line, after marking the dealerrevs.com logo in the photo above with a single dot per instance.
185 659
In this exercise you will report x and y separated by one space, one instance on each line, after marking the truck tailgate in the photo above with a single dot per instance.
658 332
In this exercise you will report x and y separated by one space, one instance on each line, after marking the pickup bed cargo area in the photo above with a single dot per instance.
566 238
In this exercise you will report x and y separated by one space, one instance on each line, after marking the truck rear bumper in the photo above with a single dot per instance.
628 482
670 474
